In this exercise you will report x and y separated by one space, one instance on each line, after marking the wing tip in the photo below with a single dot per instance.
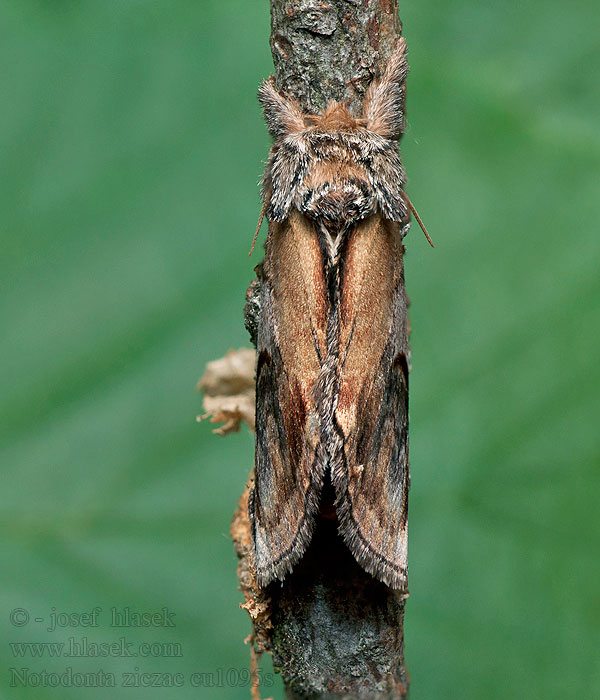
268 568
393 574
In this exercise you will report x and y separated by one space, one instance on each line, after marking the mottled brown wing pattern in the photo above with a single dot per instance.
291 342
371 477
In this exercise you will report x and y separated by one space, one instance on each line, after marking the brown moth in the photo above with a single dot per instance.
332 339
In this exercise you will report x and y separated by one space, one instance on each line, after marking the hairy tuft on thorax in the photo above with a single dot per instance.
334 167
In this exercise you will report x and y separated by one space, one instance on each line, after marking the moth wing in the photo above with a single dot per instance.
371 477
291 342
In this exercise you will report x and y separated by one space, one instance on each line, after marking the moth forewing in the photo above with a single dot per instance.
372 401
290 342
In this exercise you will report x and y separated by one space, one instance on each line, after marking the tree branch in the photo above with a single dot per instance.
334 631
337 632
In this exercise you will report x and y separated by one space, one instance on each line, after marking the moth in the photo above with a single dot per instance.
332 337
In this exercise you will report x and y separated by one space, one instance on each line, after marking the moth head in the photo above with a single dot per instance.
329 151
383 108
283 116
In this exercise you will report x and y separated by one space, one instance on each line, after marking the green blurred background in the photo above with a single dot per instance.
131 146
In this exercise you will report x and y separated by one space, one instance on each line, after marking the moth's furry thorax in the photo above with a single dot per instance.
334 167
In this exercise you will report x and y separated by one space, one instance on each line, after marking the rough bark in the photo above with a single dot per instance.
330 49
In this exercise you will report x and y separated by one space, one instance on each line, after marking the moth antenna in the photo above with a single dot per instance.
416 215
260 220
